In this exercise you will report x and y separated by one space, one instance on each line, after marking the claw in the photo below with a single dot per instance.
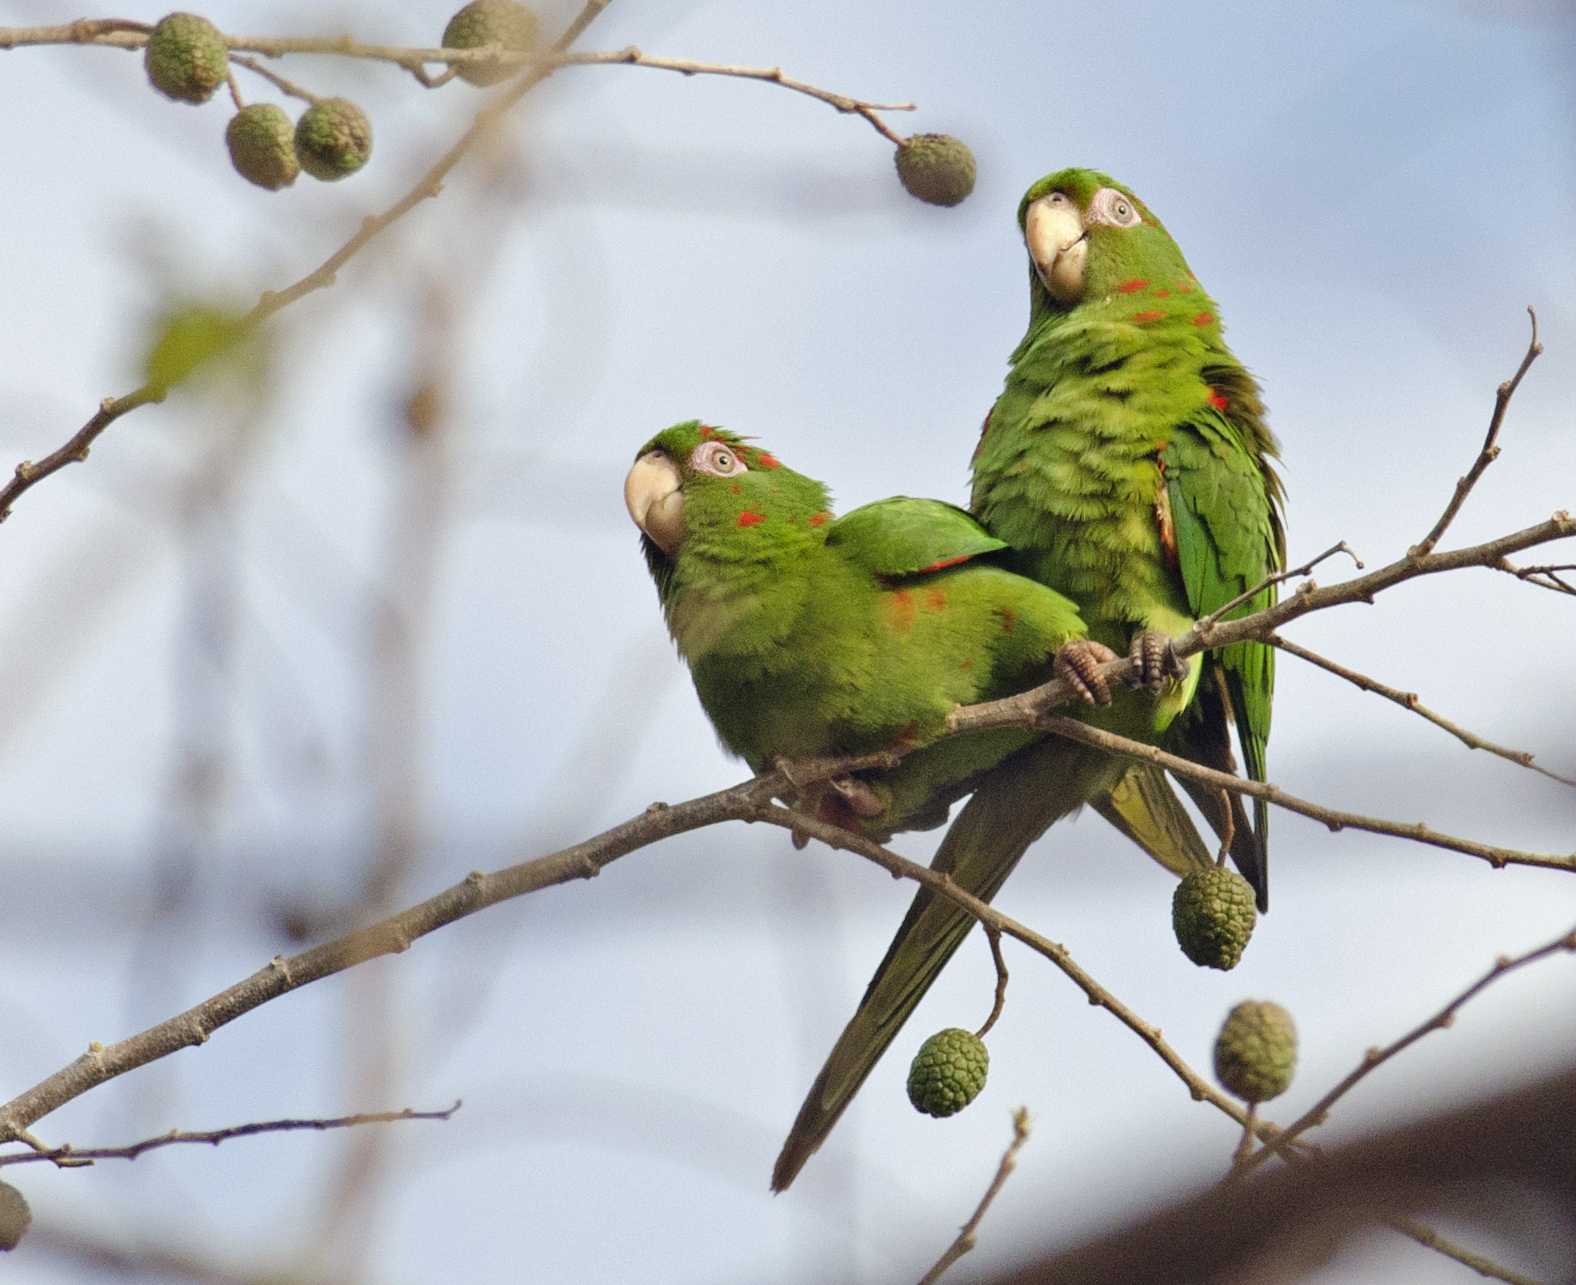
861 797
1078 665
1155 662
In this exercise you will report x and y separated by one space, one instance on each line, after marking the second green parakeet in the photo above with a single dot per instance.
813 636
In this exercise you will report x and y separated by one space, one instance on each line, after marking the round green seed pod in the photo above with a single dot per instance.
487 22
15 1216
261 139
1213 916
937 168
333 138
186 58
1256 1051
948 1072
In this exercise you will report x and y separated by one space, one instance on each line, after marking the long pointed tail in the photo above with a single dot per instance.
1014 804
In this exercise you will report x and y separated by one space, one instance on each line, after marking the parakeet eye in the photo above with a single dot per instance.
717 459
1111 207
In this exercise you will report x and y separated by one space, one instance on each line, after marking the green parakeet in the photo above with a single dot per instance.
810 636
1126 464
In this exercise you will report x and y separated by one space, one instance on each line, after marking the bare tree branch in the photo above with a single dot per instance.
1376 1057
1022 1122
68 1157
1409 701
1497 857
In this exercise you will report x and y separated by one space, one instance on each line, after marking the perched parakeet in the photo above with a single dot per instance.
810 636
1127 465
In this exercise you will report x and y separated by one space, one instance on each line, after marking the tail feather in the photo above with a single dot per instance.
1014 804
1206 740
1144 807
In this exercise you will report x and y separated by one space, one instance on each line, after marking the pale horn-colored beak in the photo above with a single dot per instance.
654 499
1055 237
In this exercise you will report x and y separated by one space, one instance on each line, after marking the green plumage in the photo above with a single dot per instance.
1126 464
810 636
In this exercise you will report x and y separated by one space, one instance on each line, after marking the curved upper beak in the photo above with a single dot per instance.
655 501
1055 237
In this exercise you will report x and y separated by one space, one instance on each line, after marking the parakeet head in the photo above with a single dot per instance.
1089 237
694 484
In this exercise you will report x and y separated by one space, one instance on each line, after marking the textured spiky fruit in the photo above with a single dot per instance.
1213 916
15 1216
186 58
936 168
487 22
333 138
948 1072
261 139
1256 1051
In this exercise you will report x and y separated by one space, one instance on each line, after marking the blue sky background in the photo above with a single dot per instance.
1373 193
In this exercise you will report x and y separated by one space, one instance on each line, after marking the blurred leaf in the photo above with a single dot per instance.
189 337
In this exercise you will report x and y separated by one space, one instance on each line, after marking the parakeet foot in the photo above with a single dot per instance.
1078 665
1155 662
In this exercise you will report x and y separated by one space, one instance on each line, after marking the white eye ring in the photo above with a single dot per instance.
718 459
1114 209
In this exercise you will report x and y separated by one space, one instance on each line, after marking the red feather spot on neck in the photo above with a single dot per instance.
1204 319
736 488
935 602
1009 619
751 518
1184 289
968 664
1133 286
1154 314
1162 294
907 734
1217 400
706 430
767 461
820 518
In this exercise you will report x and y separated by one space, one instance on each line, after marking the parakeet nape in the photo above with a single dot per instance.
1128 464
810 635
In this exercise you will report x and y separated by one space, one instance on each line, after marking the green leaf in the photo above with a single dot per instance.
188 337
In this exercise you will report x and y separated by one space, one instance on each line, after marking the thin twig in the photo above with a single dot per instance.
1244 1149
1490 451
132 36
1376 1057
67 1156
1497 857
993 935
29 474
1545 577
1409 701
1278 578
275 79
1022 1122
1431 1239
